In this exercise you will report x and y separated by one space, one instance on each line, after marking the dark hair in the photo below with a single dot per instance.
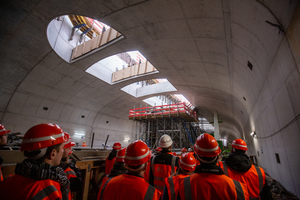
134 167
239 151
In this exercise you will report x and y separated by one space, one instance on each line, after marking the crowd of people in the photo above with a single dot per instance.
134 172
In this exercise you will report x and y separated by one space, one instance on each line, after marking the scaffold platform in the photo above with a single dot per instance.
180 110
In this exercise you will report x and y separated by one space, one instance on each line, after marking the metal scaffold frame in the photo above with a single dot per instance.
183 133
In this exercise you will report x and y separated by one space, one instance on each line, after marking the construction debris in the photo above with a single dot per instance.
278 191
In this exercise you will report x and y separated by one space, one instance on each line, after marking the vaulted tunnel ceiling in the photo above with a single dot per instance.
201 47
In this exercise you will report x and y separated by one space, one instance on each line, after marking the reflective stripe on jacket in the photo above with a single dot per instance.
109 164
254 179
161 171
70 173
211 186
127 186
172 184
18 187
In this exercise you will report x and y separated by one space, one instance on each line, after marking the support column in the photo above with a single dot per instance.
216 125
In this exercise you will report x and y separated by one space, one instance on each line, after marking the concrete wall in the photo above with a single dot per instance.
275 117
58 33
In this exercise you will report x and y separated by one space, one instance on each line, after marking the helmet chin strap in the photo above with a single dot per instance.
39 155
205 161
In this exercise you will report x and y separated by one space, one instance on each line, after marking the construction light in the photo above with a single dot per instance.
79 134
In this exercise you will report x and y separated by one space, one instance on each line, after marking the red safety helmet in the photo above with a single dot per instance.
187 162
72 144
174 154
207 146
3 131
68 141
69 144
121 155
239 144
137 153
158 149
42 136
183 150
117 145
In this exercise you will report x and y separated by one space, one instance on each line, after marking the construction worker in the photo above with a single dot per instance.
84 144
119 167
209 181
131 185
71 170
183 150
3 141
39 176
238 167
111 158
187 165
162 165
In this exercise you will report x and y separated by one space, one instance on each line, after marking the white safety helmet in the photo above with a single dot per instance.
190 149
165 141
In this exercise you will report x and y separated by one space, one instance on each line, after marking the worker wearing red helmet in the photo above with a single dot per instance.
71 170
111 158
131 185
118 168
209 181
238 167
3 141
183 150
162 165
187 165
39 176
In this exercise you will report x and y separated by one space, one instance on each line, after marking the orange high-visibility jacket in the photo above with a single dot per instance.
211 186
172 184
1 176
158 171
18 187
70 174
109 164
254 178
127 186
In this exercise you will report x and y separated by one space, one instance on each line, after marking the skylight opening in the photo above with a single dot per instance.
74 37
168 99
121 67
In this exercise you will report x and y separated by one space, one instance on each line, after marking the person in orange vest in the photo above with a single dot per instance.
71 170
238 167
111 158
183 150
131 185
209 181
3 141
162 165
39 176
84 144
187 165
119 167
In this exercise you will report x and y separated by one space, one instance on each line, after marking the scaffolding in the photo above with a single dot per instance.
175 120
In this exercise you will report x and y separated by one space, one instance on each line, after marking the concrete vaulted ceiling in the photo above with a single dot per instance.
201 47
